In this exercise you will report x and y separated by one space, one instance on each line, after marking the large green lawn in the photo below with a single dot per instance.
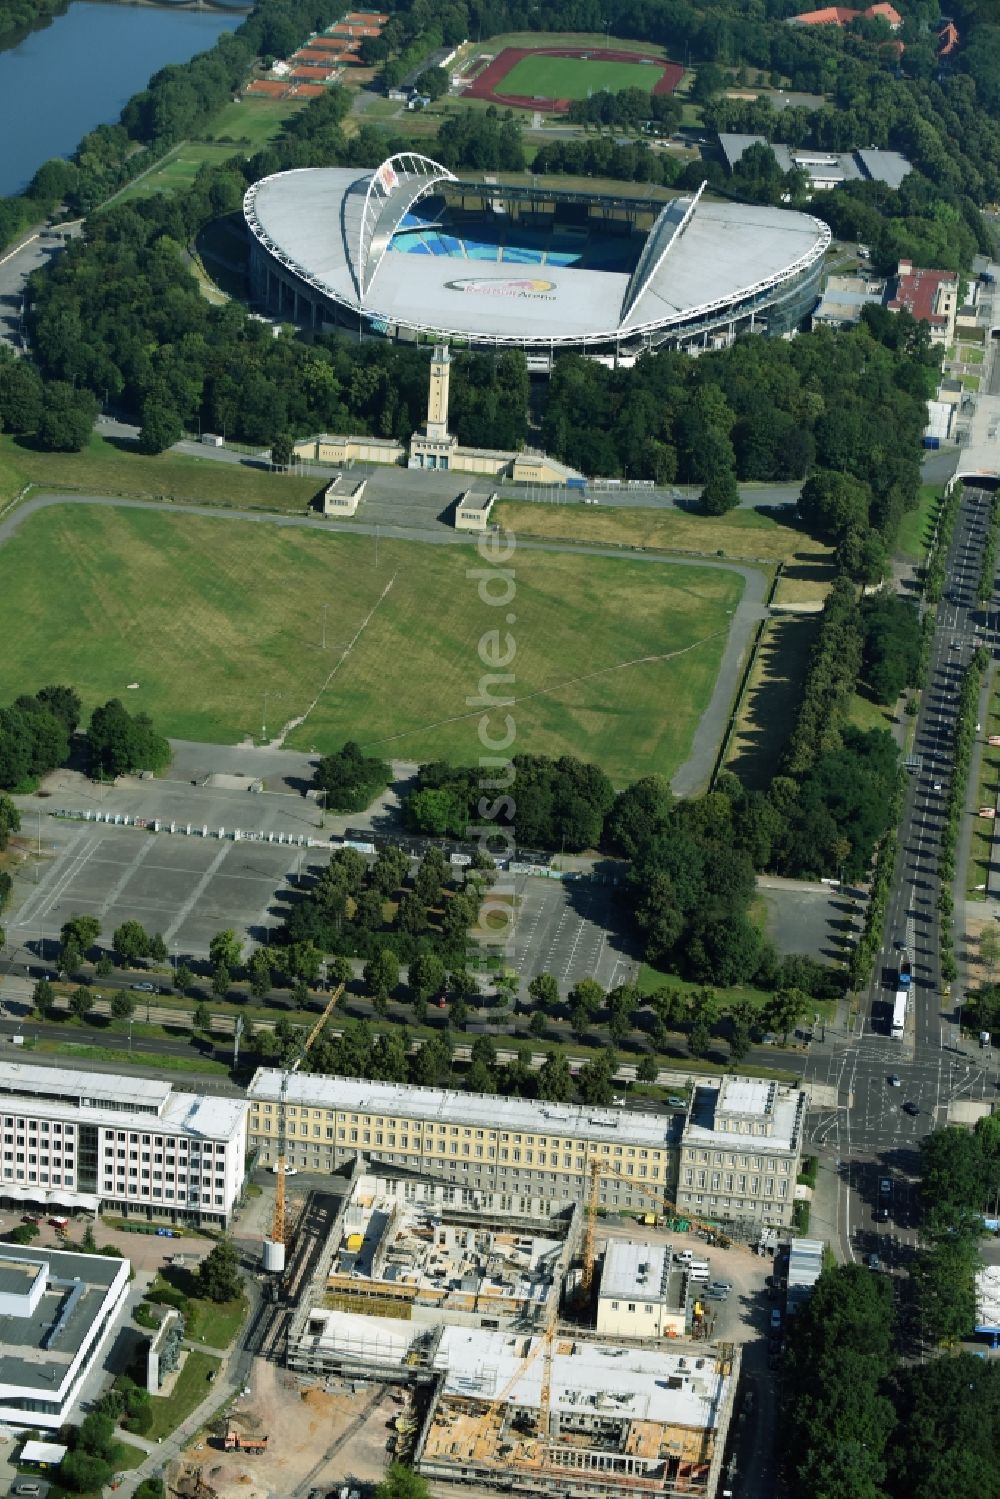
544 77
615 659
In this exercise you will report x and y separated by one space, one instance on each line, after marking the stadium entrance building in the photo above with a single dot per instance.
409 250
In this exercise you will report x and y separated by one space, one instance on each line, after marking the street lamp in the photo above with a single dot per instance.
325 608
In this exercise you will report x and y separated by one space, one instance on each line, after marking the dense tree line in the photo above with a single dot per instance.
118 742
599 156
838 1416
628 107
35 736
693 863
349 781
862 1422
765 409
120 317
893 646
15 15
552 803
357 910
486 140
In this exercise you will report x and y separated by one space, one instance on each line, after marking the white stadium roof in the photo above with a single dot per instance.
330 227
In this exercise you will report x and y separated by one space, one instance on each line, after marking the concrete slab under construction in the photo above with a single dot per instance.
585 1418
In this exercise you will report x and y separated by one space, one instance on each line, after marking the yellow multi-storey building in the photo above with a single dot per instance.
505 1145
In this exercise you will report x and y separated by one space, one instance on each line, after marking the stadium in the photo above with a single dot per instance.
409 250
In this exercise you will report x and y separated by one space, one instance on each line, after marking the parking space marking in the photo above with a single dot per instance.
54 885
127 873
197 892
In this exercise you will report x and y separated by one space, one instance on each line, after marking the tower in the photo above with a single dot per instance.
434 446
437 395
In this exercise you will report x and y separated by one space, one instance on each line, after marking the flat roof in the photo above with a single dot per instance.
314 222
18 1276
639 1384
36 1351
637 1271
118 1099
480 1110
761 1102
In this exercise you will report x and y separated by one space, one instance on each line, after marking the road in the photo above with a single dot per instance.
875 1135
38 248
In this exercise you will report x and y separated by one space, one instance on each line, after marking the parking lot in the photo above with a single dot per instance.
567 928
185 887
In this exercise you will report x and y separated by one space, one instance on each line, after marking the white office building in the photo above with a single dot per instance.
57 1311
129 1145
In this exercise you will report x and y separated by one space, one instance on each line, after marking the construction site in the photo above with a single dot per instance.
425 1255
578 1417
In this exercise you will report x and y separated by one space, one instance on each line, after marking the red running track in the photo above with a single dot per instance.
486 85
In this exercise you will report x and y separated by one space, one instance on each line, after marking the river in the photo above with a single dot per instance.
61 80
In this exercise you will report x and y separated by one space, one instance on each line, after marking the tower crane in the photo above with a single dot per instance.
274 1247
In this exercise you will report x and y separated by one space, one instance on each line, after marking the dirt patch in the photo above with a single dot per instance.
302 1423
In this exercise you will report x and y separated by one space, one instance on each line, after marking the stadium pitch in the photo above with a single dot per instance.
550 78
194 619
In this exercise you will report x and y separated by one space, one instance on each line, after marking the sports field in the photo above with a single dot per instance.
547 77
614 660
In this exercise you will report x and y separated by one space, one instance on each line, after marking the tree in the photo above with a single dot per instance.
80 931
381 974
741 1020
555 1082
122 1007
720 493
10 820
63 703
221 980
80 1471
67 418
104 966
282 450
544 992
700 1036
81 1002
349 780
219 1277
225 947
648 1070
785 1009
402 1483
130 941
434 82
42 996
536 1024
118 743
202 1017
259 969
426 975
339 971
157 948
161 427
183 978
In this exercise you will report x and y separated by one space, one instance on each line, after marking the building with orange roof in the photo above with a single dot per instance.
842 15
948 39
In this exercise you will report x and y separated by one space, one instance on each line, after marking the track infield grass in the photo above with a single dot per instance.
544 77
615 659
